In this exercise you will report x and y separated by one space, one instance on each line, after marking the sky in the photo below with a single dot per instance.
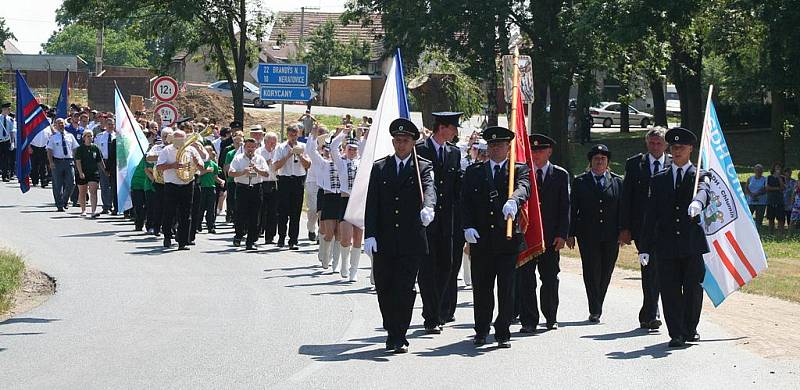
33 21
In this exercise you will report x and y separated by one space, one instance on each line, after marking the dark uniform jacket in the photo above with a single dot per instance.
554 203
393 204
482 206
635 189
595 213
447 182
669 232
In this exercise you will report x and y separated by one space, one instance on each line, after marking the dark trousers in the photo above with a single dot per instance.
155 208
290 204
139 199
434 274
230 201
450 297
208 208
7 159
40 169
194 211
548 266
681 293
486 269
269 209
248 210
597 261
177 205
394 283
650 288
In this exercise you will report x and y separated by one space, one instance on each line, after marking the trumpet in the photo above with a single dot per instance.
189 166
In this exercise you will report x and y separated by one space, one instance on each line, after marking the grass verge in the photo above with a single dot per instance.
11 269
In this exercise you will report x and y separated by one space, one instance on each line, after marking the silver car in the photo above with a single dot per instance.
609 114
251 92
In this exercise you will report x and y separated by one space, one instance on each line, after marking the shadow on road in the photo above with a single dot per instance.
655 351
21 334
28 320
364 290
460 348
637 332
341 352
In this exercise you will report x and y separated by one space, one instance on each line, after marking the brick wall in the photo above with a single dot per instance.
101 90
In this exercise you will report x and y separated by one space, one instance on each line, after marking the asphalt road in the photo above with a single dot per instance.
126 314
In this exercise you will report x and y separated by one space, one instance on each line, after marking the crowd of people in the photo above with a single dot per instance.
435 209
775 197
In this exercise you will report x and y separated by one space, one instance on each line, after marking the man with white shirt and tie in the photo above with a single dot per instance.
40 170
7 133
269 194
290 163
60 151
248 170
639 170
672 232
103 141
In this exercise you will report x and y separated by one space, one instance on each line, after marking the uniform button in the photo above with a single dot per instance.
491 213
396 198
491 226
601 221
397 225
440 194
678 233
601 201
601 211
677 219
677 208
397 211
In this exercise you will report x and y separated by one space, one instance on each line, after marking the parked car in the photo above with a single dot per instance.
608 113
673 100
252 93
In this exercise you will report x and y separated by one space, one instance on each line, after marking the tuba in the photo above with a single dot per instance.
189 165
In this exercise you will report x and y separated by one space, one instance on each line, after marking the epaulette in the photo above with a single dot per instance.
635 157
423 159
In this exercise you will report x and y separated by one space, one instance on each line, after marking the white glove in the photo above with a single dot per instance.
471 236
695 208
370 246
426 215
644 258
510 209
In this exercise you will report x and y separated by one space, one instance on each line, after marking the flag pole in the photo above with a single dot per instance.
702 140
512 124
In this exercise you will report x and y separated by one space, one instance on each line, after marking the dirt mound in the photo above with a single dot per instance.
36 287
201 103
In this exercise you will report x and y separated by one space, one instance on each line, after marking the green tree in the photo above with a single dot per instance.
5 33
121 47
326 56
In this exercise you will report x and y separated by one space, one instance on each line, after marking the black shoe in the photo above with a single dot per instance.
504 344
312 236
237 241
268 242
75 204
212 231
693 338
389 345
676 342
449 320
293 247
183 248
400 349
552 325
167 242
280 243
479 340
654 324
191 243
105 212
249 247
60 209
594 318
528 329
434 330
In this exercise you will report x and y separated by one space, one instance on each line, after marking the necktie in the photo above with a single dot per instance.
678 178
441 155
599 181
656 167
498 178
400 168
539 178
64 145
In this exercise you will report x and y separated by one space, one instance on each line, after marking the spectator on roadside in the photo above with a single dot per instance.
788 195
775 207
87 162
308 122
756 191
795 214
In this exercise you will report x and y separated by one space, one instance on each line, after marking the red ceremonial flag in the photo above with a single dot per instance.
531 216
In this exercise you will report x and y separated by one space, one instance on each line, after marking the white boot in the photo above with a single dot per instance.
355 254
325 253
345 253
465 267
335 255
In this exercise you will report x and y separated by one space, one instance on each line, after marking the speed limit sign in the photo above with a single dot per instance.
168 113
165 88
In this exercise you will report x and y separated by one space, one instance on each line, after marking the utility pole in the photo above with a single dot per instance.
98 54
303 24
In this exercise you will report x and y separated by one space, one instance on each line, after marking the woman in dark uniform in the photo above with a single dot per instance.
595 201
87 160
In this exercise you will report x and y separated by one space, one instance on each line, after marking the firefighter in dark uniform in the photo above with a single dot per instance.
485 208
639 169
595 201
552 182
400 203
435 270
673 234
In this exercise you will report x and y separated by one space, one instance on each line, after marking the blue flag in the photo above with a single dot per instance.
63 97
30 121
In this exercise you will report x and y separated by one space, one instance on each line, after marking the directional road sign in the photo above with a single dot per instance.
285 94
282 74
